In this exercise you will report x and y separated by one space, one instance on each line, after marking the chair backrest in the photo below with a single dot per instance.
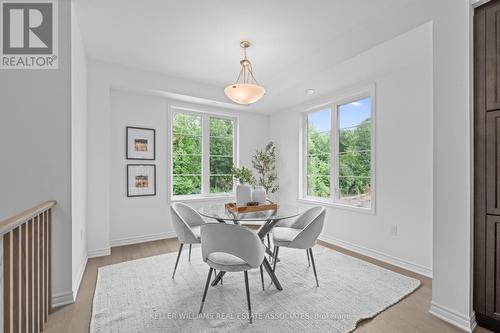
183 218
233 239
288 223
311 222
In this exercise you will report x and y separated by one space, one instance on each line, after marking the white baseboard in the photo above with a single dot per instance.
467 323
419 269
99 252
61 299
69 297
473 323
79 277
142 239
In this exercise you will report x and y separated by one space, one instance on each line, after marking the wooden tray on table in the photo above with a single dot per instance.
248 209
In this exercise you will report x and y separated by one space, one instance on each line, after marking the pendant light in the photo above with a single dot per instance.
246 89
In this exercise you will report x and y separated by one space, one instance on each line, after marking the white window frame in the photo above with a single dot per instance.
205 153
333 104
305 155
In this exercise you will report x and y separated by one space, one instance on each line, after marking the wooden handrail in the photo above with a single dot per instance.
13 222
26 270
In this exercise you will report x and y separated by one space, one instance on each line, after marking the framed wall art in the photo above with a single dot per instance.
141 180
140 143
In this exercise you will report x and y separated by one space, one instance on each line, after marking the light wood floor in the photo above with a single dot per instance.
409 315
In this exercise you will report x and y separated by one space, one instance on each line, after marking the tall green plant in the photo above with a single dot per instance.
243 175
264 162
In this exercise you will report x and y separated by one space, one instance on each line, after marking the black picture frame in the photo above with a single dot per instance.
127 145
129 195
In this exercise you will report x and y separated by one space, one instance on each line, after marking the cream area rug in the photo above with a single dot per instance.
140 296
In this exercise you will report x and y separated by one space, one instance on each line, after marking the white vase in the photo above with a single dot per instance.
243 194
259 195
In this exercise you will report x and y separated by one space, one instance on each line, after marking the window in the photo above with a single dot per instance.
338 153
319 153
221 155
186 154
354 153
203 153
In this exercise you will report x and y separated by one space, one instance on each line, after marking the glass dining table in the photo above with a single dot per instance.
266 219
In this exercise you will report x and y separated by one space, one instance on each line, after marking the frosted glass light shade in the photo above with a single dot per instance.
244 93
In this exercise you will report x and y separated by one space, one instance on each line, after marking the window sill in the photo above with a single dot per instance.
369 211
206 198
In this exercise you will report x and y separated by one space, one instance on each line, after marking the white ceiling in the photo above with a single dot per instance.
292 40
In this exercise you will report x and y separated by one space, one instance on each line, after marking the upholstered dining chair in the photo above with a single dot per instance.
230 248
187 224
301 234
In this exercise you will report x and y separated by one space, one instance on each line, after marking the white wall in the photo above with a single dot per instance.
98 162
452 257
35 115
451 299
78 152
452 191
133 219
126 220
140 216
35 157
402 72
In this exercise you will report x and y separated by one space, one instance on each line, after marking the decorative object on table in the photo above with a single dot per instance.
233 207
252 203
141 180
244 189
259 195
243 194
246 89
264 161
140 143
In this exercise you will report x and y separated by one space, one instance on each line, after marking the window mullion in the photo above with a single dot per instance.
170 165
235 151
335 161
205 167
305 157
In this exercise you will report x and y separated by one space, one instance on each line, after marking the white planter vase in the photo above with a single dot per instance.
243 194
259 195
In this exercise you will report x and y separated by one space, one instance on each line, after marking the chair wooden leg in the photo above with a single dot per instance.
314 266
276 249
190 252
262 277
308 260
177 261
206 289
248 297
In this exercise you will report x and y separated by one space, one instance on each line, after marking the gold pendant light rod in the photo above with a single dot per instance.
248 90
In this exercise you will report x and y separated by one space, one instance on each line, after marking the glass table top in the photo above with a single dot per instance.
218 212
